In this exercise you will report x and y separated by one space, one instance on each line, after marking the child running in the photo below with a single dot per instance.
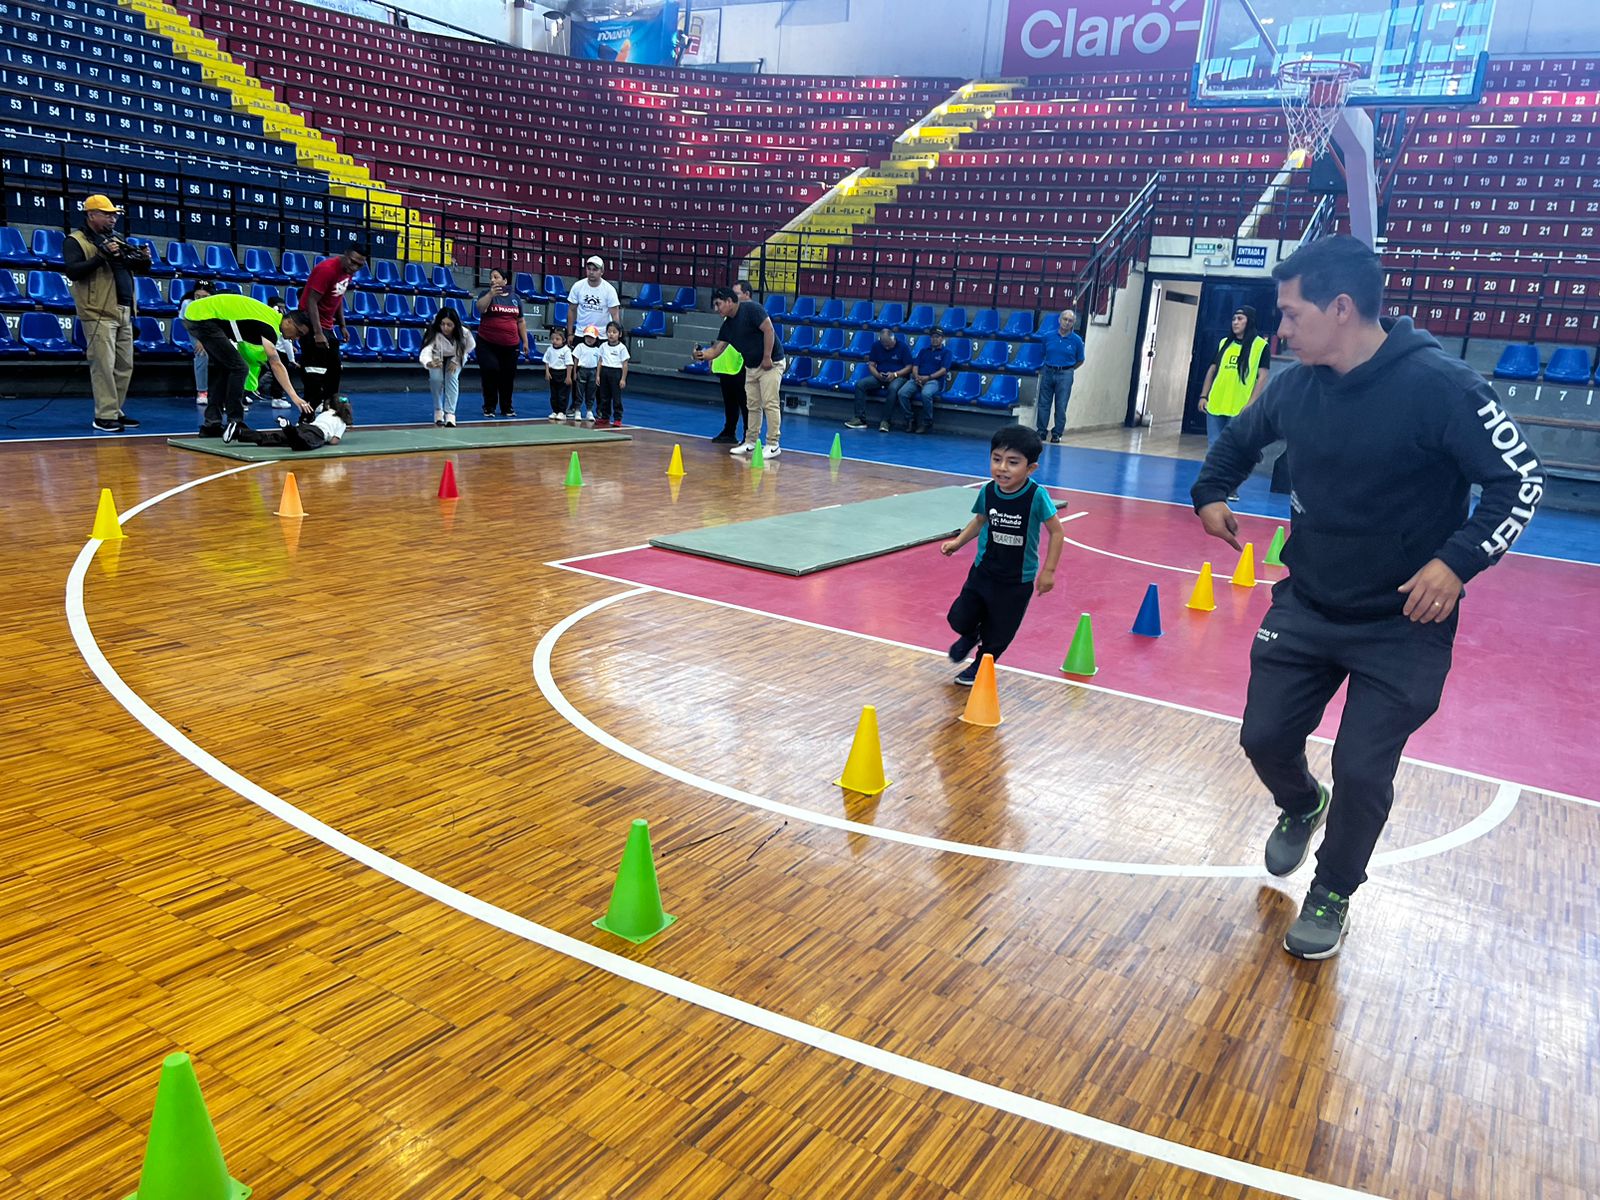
1007 516
613 376
586 367
558 373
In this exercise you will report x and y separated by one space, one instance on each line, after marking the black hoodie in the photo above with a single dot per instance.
1381 461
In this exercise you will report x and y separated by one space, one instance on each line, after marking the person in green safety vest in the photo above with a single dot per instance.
218 325
1237 376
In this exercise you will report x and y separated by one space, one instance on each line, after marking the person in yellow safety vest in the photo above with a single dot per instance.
1236 377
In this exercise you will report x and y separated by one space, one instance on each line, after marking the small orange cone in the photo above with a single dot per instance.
447 482
863 770
107 528
675 467
289 505
1244 574
1201 599
983 702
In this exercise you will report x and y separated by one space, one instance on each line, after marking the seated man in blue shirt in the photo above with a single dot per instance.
1063 355
926 381
888 362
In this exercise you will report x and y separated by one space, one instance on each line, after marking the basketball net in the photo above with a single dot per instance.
1313 92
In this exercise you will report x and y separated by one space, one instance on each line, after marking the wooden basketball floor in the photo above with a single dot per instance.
337 807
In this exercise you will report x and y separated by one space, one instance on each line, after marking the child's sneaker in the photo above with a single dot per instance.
1320 929
962 647
970 676
1289 844
230 431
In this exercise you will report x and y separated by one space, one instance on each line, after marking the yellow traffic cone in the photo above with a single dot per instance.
1201 599
863 770
983 702
675 467
106 526
1244 575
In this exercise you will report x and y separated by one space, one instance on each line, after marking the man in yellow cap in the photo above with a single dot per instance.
100 267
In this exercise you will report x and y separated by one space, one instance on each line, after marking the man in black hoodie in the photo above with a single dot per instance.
1386 434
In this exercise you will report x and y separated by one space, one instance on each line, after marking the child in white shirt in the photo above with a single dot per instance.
613 376
586 363
558 373
327 428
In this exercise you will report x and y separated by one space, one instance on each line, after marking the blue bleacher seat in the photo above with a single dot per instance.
918 346
148 299
447 282
654 325
178 290
890 316
261 267
830 376
649 296
963 388
221 264
860 316
831 313
830 342
696 368
78 340
159 267
805 308
860 344
558 315
992 357
178 334
380 341
389 276
465 309
803 338
233 289
1570 364
417 280
799 370
1001 393
960 351
263 293
985 324
522 283
1516 362
555 288
355 347
409 342
185 259
954 321
397 310
856 376
361 307
14 251
683 301
1018 328
777 306
366 280
10 298
296 266
920 320
48 289
427 307
1028 359
41 333
47 245
150 341
291 298
10 347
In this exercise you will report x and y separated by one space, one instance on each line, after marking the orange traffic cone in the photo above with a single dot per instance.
983 702
289 505
447 482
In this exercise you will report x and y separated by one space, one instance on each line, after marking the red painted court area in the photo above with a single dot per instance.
1512 708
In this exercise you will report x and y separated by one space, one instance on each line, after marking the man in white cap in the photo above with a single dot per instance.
100 267
592 300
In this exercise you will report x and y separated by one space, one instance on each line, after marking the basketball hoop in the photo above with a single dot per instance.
1313 92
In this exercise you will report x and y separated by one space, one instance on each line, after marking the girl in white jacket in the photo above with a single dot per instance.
445 346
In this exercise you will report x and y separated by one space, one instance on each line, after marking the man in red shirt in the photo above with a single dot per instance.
322 300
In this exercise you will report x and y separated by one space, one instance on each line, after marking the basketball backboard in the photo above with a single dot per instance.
1409 51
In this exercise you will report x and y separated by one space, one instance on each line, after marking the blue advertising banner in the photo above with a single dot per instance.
648 37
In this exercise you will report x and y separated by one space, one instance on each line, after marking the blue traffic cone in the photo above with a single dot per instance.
1148 622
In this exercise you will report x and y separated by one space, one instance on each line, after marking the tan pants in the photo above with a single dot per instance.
761 395
110 346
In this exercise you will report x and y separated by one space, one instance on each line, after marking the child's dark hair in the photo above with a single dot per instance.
557 332
1019 438
610 325
340 407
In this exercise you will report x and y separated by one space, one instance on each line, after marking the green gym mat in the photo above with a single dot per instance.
361 441
800 543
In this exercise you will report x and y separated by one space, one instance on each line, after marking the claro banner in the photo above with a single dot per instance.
1065 37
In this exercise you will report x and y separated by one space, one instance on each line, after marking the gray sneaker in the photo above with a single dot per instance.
1289 844
855 423
1320 929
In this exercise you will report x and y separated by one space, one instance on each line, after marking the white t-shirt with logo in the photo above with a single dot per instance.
328 421
593 304
586 355
613 356
558 358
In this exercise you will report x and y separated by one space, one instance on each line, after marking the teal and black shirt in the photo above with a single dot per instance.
1008 541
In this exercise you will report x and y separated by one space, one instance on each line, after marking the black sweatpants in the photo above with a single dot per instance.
225 390
305 436
322 367
733 404
1396 670
991 610
610 394
558 391
497 373
583 388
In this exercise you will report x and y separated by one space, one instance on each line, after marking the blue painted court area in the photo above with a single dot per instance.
1554 534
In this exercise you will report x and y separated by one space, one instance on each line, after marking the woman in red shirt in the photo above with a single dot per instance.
502 335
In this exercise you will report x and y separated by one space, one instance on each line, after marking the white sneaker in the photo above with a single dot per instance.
449 420
555 416
202 399
772 451
742 448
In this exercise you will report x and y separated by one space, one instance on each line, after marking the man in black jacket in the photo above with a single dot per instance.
1386 435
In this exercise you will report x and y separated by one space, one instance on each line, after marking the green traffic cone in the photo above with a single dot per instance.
182 1159
574 472
1274 556
635 909
1080 655
838 449
758 460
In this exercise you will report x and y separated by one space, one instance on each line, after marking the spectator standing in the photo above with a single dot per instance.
926 381
445 346
592 300
1237 376
747 328
322 300
100 267
613 375
502 335
888 362
728 367
558 373
201 289
586 371
1063 355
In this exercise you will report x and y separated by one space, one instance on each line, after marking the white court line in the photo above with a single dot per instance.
1144 562
1500 808
1054 1116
